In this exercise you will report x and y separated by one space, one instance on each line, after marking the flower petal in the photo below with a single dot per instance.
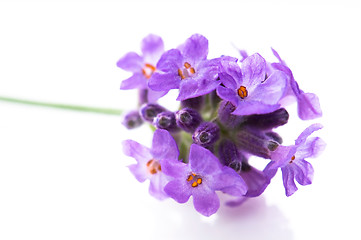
233 69
228 95
175 169
156 186
254 107
228 181
303 172
308 106
153 96
170 61
164 81
131 62
288 181
135 150
139 171
205 201
271 90
253 70
195 87
256 181
228 81
178 190
164 146
202 161
307 132
152 48
136 81
195 49
311 148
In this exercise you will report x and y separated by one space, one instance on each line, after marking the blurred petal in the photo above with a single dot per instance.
139 152
131 62
228 181
152 47
136 81
170 61
164 146
164 81
254 107
195 87
195 48
139 171
156 186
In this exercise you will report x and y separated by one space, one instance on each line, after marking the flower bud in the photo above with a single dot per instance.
226 117
132 120
269 120
166 120
230 156
256 142
150 111
206 134
188 119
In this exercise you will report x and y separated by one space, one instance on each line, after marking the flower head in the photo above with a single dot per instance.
200 178
247 87
291 160
150 161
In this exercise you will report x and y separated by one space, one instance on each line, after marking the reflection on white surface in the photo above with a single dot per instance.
252 220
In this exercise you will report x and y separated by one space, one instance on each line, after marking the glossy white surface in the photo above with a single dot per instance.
62 173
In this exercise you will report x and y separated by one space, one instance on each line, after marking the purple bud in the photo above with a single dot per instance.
256 142
226 117
188 119
230 156
132 120
195 103
150 111
206 134
166 120
269 120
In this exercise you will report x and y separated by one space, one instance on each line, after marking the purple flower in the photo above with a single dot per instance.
143 66
248 89
256 180
186 69
291 160
150 161
308 103
201 178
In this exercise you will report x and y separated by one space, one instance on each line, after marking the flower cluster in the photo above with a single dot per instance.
228 111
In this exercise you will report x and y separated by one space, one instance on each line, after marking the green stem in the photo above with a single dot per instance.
63 106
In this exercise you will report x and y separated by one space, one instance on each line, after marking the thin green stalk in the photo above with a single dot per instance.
63 106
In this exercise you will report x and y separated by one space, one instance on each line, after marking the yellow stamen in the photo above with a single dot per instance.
187 65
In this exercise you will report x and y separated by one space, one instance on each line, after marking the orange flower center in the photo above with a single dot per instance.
187 71
194 179
153 166
292 158
148 70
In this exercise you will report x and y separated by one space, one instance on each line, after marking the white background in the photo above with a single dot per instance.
62 173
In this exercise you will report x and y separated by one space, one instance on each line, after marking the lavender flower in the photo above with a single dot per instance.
143 66
291 160
308 103
150 161
201 178
248 89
